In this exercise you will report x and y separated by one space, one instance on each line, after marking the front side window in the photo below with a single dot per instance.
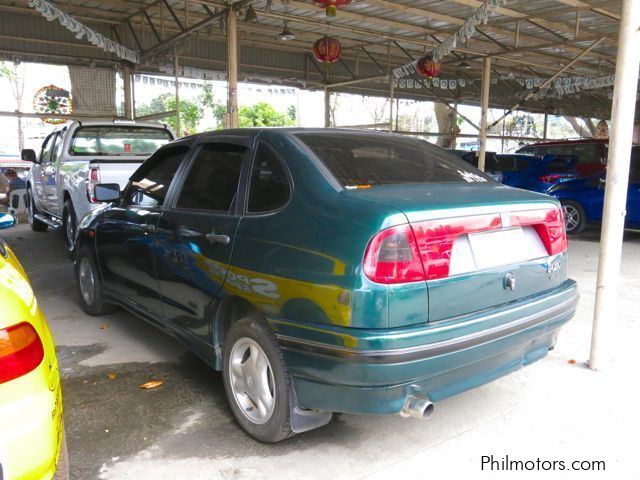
57 148
149 184
118 140
270 188
212 183
362 160
47 146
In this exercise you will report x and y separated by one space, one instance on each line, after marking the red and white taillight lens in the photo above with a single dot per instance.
548 223
93 179
422 250
21 351
393 257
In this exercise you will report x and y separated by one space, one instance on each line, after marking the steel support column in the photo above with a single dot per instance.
391 92
327 107
484 117
128 92
615 198
177 79
232 69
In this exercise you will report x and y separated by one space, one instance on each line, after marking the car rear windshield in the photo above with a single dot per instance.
362 160
118 140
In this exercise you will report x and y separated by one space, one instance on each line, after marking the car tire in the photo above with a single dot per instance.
257 381
89 286
69 224
36 225
575 219
62 468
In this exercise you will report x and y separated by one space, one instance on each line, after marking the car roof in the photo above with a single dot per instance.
568 142
111 121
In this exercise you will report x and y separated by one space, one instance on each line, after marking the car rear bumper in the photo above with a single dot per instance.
374 371
31 430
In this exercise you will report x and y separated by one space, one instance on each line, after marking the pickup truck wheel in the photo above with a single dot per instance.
574 217
90 286
69 228
256 381
36 225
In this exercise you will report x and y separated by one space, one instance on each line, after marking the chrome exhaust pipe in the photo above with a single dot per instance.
418 406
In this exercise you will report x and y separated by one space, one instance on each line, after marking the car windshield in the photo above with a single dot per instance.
118 140
362 160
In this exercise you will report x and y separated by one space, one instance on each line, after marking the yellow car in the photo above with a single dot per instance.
32 441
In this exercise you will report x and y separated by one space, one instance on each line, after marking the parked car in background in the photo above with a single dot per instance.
537 174
491 166
591 153
32 440
74 158
583 199
330 270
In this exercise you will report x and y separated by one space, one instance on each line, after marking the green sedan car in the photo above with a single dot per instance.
330 270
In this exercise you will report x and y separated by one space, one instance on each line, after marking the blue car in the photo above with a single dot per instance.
537 174
524 171
583 199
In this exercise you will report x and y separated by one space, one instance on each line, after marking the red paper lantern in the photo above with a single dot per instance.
426 67
331 6
327 49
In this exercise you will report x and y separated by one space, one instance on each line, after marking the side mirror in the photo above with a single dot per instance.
7 220
29 155
107 192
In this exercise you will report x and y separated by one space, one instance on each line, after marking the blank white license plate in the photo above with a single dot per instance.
504 247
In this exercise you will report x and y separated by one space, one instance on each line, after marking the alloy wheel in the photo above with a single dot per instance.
87 281
571 217
251 379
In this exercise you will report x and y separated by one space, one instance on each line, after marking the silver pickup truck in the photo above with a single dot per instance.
74 159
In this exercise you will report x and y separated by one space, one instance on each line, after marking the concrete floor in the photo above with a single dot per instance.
552 410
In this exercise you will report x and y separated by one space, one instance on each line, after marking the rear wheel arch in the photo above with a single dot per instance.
230 310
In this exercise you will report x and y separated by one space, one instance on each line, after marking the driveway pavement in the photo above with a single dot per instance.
555 410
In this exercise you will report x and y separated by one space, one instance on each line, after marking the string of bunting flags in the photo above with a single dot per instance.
561 86
51 13
466 31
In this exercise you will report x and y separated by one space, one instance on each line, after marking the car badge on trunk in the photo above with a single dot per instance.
510 281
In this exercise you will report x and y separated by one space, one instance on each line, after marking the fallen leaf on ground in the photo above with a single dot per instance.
572 362
104 326
111 375
151 384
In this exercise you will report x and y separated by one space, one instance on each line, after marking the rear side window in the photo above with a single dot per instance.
212 183
270 188
117 140
363 160
149 184
587 152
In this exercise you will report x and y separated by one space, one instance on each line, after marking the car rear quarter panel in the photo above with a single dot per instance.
305 259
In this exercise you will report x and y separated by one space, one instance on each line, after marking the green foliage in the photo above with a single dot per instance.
208 100
8 72
190 112
262 114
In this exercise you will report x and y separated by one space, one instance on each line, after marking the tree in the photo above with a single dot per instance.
585 129
262 114
444 118
190 112
14 73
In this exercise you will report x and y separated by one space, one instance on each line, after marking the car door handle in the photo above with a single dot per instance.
149 228
216 238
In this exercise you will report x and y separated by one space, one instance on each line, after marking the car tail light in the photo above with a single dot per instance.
92 180
392 256
435 239
548 223
21 351
422 250
549 178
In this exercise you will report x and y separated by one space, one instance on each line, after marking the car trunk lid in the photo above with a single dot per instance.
481 245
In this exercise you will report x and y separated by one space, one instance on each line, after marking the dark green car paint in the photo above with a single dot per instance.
301 265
